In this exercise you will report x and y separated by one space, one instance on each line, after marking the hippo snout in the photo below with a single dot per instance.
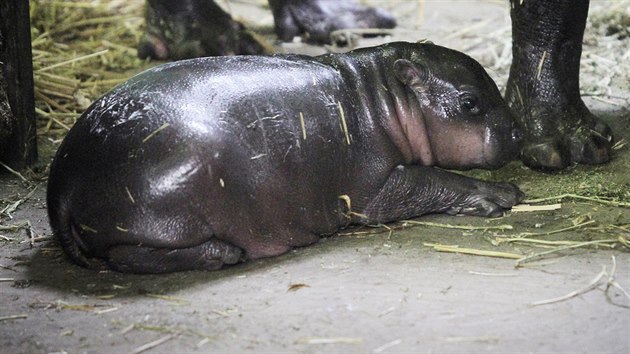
504 147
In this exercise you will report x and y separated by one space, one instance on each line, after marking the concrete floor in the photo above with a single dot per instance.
380 293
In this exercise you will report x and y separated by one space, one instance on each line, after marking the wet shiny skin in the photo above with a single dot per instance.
209 161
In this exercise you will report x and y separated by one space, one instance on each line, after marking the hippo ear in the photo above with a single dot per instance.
412 74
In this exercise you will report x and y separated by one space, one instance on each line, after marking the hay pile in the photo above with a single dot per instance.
81 49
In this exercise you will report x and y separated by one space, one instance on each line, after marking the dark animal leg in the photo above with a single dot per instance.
411 191
179 29
543 88
318 18
210 255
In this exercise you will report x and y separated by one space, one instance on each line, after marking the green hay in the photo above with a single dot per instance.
81 50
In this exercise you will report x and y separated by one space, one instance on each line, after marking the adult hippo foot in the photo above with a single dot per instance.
555 137
193 28
318 18
543 89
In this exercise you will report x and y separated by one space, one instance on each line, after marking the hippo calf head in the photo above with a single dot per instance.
466 121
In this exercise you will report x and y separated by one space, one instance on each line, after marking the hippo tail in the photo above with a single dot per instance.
68 233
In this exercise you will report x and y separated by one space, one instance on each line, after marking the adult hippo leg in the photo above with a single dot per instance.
179 29
318 18
543 88
415 190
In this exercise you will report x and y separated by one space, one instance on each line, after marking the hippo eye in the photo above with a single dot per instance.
470 103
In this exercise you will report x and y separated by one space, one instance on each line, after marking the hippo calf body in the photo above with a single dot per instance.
211 161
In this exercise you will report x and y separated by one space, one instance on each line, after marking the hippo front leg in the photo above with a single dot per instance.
411 191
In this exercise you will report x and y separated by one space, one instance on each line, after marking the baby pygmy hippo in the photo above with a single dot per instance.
211 161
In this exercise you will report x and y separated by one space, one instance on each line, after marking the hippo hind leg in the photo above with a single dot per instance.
210 255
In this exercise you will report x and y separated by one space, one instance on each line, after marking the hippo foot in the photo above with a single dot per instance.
210 255
200 29
316 19
489 199
557 137
543 89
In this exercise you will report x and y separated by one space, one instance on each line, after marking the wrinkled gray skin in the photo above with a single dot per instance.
544 86
211 161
